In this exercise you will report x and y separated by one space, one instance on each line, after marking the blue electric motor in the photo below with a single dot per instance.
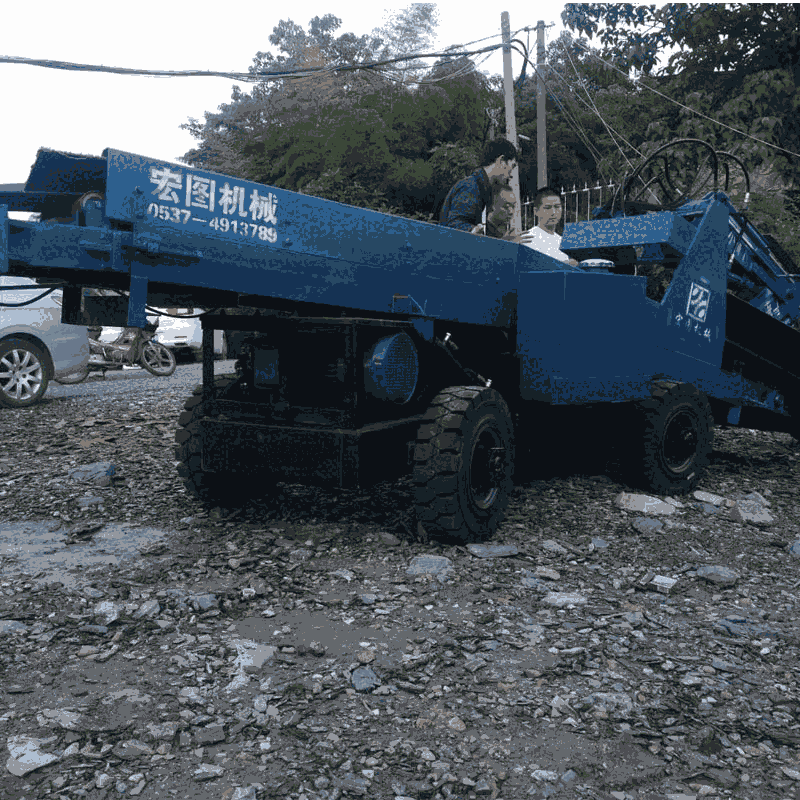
391 368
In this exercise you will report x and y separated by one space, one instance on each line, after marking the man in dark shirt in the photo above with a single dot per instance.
464 204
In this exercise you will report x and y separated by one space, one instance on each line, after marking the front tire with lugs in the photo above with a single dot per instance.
677 438
463 463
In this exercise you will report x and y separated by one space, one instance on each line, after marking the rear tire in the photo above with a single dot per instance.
677 438
210 487
463 463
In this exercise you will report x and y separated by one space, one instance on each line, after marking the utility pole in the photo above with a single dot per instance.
511 118
541 102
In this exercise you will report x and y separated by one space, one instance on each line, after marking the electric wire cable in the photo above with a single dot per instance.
594 110
259 76
255 75
599 115
572 118
595 152
688 108
582 135
574 123
27 302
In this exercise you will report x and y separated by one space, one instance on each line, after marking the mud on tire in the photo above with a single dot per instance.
463 463
676 438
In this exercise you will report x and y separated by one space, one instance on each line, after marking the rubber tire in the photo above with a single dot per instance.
677 438
153 351
460 423
209 487
20 351
72 381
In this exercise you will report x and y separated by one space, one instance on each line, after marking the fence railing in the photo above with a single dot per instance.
578 203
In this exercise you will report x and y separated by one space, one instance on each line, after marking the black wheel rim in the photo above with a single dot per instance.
486 469
680 442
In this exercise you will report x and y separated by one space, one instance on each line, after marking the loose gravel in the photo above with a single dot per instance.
308 646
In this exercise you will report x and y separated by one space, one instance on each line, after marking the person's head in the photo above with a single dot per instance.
502 211
547 207
499 159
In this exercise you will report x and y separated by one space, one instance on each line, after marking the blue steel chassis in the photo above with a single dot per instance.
163 235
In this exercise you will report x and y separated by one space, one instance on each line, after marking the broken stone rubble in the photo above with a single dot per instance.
485 685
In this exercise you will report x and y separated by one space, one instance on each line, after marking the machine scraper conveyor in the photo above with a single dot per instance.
374 347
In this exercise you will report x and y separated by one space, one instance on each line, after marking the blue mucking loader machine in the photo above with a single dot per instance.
374 347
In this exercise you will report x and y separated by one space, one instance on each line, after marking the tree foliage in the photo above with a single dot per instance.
602 121
226 138
376 138
409 30
736 63
734 38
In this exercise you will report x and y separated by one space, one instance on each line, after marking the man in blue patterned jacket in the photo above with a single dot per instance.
464 204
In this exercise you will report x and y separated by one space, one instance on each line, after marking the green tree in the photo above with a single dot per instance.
733 38
366 136
738 64
410 30
226 137
735 71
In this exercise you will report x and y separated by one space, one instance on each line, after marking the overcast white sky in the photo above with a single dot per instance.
86 112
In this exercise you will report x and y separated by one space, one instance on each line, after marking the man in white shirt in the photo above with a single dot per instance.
543 237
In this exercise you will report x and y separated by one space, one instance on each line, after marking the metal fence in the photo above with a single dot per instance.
578 203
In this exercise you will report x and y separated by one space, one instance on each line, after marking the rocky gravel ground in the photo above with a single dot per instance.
602 645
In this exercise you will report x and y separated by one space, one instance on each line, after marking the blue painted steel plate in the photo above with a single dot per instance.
256 239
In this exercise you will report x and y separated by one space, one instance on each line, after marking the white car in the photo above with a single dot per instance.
35 346
182 336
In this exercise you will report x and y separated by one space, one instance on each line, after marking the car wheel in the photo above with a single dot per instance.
23 373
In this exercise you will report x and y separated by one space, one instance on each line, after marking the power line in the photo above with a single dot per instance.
571 120
685 107
260 75
257 75
599 115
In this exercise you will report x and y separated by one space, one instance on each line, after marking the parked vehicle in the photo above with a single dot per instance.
35 346
185 336
133 347
179 329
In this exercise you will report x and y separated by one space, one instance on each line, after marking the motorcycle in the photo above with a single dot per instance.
132 348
